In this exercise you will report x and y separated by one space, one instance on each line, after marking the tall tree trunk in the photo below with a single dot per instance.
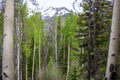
33 64
26 70
68 62
8 27
56 55
45 56
39 52
21 37
114 42
17 44
95 54
89 50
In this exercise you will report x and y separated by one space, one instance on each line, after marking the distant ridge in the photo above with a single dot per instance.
51 11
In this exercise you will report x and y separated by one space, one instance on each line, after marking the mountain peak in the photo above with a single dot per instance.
51 11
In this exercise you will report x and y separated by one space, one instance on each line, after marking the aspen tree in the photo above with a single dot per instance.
8 27
114 43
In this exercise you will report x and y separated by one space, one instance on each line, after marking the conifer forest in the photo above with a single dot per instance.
71 46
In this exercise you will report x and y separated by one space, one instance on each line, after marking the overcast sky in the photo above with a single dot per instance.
44 4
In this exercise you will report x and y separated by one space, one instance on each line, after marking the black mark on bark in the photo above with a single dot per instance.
5 74
114 38
113 54
105 78
6 66
113 76
112 67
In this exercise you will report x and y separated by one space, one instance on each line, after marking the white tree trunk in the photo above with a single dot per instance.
68 62
33 64
39 56
56 54
7 57
26 70
18 44
114 42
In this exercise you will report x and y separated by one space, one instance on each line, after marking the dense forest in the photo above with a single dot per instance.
74 46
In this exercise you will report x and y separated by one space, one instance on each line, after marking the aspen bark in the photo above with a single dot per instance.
56 54
18 44
114 43
8 27
26 69
39 50
33 64
68 62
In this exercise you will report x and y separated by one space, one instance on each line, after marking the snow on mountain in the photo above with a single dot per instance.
51 11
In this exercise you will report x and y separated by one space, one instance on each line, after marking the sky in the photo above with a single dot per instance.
44 4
